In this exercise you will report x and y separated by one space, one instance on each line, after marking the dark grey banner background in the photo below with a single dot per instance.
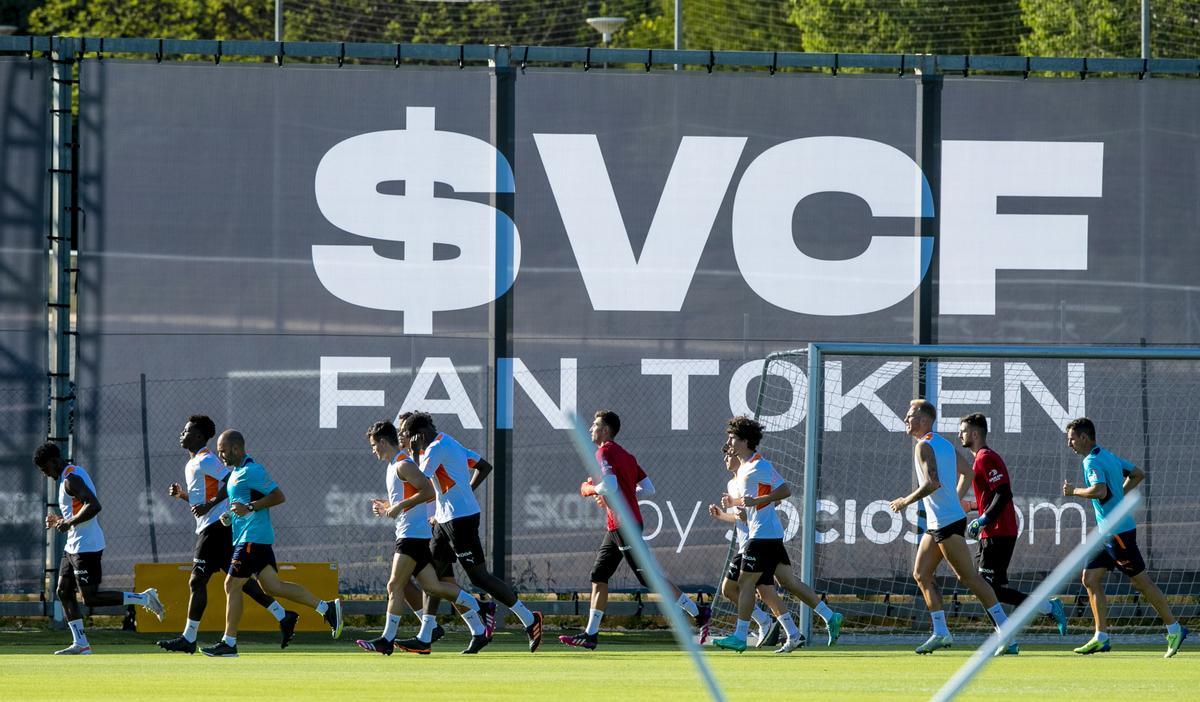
24 134
198 181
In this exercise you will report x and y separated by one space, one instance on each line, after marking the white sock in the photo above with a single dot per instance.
1044 607
789 626
465 599
522 613
322 607
428 624
277 611
77 636
996 612
419 613
939 623
191 630
687 605
824 611
229 640
593 625
133 598
474 623
393 624
1101 636
761 619
742 630
1173 628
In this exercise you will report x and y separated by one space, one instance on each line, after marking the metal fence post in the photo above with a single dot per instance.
503 137
62 210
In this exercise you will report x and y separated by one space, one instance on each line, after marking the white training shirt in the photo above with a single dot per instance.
412 523
448 464
942 507
759 478
204 473
741 532
88 536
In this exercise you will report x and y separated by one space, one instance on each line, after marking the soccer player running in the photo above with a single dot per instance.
623 478
409 493
938 466
729 583
1108 478
456 471
252 494
996 525
80 568
758 487
207 491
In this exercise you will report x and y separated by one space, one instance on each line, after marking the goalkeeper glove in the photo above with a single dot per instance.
977 526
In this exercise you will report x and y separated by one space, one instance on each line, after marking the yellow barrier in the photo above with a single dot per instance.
171 579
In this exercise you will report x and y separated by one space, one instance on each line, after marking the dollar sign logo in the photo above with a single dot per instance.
347 193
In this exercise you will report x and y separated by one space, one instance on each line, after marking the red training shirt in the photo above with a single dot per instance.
991 473
618 462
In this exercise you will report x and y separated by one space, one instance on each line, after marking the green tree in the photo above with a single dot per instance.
909 26
175 19
1110 28
741 25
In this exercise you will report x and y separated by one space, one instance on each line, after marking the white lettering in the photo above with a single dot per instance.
838 405
948 420
680 369
683 532
976 241
1018 375
331 397
751 372
457 401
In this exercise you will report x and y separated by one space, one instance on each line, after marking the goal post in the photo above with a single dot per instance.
834 412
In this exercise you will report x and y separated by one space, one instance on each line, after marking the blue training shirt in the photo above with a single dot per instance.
1103 466
247 483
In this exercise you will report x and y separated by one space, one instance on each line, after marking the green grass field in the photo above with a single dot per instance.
635 666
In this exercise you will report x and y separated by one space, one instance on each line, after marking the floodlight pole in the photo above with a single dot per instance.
278 20
1145 29
678 27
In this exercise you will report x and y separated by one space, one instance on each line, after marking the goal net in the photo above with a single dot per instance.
845 467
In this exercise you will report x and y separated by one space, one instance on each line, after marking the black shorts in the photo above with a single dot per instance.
958 528
612 552
993 558
214 550
1120 553
763 556
80 570
456 540
249 559
735 567
416 549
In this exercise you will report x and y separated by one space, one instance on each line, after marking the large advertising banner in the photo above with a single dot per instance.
298 252
24 399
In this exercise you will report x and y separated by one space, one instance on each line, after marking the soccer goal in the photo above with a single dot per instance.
834 415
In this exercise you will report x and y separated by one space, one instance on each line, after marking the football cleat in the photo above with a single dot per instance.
220 650
437 633
773 635
731 642
415 645
835 628
75 650
935 642
581 640
1059 615
1010 650
703 620
287 628
477 643
534 632
1174 641
333 617
1094 645
379 645
153 604
791 644
487 612
178 644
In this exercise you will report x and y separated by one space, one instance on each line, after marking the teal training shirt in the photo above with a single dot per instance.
1103 466
247 483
